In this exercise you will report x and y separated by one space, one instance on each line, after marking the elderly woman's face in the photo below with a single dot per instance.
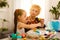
34 12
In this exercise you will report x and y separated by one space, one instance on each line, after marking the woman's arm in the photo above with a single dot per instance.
22 25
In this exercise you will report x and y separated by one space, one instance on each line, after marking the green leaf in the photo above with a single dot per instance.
4 29
3 4
58 5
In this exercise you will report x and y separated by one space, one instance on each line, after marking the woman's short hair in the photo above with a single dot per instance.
36 6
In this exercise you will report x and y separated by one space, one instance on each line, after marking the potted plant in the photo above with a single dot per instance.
3 3
55 23
56 11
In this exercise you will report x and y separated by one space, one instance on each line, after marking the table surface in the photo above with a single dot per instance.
57 35
5 34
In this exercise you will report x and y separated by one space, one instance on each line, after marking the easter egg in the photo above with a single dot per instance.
33 39
23 35
13 35
19 37
24 38
34 29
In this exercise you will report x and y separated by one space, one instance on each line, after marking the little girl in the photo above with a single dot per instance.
20 16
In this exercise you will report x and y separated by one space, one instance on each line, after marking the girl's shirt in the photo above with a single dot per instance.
21 30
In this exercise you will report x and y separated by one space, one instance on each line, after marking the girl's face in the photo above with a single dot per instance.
22 17
34 11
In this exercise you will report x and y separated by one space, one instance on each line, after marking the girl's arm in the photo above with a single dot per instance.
30 26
